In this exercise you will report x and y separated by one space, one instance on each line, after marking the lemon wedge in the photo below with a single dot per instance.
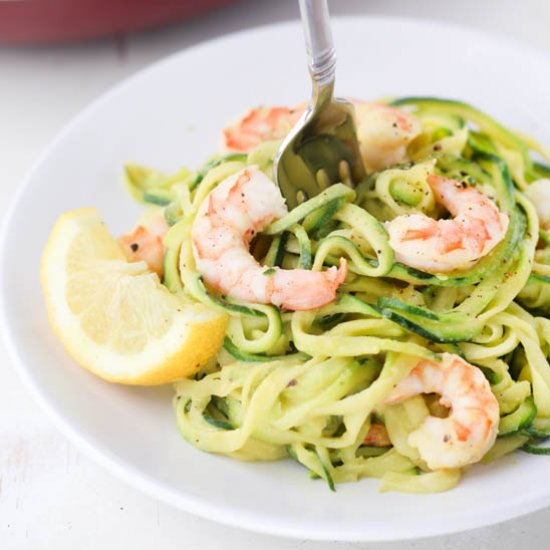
115 317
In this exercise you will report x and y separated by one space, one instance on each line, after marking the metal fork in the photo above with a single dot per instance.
322 148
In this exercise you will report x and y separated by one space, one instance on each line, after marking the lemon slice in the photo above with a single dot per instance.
115 317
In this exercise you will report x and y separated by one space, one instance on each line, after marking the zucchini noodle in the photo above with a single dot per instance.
308 385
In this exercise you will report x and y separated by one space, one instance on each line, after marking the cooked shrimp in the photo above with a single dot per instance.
145 243
233 213
538 193
258 125
470 429
384 132
445 245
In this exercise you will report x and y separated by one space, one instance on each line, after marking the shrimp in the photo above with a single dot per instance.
232 214
258 125
145 243
538 193
438 246
470 429
384 133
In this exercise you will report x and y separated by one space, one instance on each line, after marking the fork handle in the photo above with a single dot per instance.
319 46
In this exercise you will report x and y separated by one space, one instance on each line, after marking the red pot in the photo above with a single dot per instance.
39 21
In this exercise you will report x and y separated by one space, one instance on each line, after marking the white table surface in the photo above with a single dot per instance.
53 497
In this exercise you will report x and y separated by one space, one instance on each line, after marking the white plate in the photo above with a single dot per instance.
170 115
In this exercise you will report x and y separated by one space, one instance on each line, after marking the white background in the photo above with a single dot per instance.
51 496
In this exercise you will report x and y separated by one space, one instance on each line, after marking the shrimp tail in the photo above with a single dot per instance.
317 288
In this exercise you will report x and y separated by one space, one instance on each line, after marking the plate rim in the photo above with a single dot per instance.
116 466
